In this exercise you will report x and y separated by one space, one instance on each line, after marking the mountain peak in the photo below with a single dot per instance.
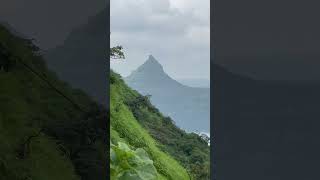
151 65
151 58
151 70
151 61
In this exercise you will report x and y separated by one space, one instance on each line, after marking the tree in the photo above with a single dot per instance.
116 52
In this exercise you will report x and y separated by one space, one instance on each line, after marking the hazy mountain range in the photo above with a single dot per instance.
189 107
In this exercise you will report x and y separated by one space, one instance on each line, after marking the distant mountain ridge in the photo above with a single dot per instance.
189 107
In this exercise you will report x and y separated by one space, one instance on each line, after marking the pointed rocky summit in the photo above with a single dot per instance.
151 66
151 71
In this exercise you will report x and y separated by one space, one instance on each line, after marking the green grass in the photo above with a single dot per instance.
19 120
28 105
125 128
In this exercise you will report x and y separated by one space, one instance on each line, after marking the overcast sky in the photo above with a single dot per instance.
175 32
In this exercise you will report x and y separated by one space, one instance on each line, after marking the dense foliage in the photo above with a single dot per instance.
189 148
116 52
43 135
129 164
136 121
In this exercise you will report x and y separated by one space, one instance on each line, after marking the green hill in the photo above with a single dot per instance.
134 121
50 131
45 135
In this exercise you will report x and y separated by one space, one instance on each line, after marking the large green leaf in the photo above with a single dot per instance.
128 164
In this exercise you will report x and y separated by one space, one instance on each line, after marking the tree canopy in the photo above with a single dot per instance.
116 52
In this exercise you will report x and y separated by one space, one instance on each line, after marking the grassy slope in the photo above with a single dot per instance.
27 105
125 127
20 106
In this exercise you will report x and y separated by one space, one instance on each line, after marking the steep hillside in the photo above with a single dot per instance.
45 135
189 107
138 123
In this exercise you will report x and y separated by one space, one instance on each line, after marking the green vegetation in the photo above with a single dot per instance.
175 153
44 136
129 164
116 52
125 128
50 131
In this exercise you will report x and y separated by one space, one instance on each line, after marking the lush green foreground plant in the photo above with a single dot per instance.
129 164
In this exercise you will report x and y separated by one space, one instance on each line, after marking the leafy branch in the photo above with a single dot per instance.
131 164
116 52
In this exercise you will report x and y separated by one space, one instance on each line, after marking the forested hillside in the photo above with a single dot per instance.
135 122
48 130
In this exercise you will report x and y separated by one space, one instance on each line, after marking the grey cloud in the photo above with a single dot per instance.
178 38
